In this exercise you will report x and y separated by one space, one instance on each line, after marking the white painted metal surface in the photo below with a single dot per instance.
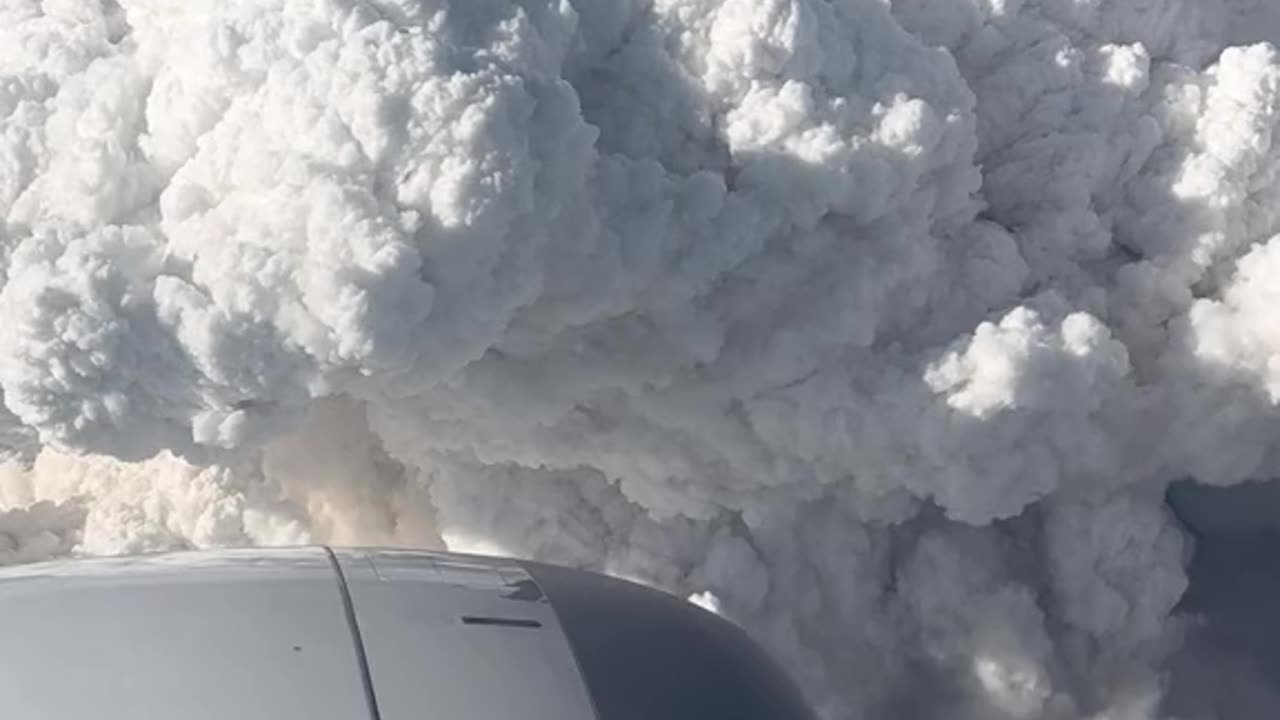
234 635
461 638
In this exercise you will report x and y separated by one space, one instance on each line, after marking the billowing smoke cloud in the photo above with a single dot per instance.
881 328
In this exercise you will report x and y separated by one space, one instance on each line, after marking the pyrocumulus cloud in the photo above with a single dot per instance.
879 327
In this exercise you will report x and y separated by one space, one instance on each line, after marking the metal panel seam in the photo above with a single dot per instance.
573 651
349 608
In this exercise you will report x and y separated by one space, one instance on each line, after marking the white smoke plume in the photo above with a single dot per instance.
880 327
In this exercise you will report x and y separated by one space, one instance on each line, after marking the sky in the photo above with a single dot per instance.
883 327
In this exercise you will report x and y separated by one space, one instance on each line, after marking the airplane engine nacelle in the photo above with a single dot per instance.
347 634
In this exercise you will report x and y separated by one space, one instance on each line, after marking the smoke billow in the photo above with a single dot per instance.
882 328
